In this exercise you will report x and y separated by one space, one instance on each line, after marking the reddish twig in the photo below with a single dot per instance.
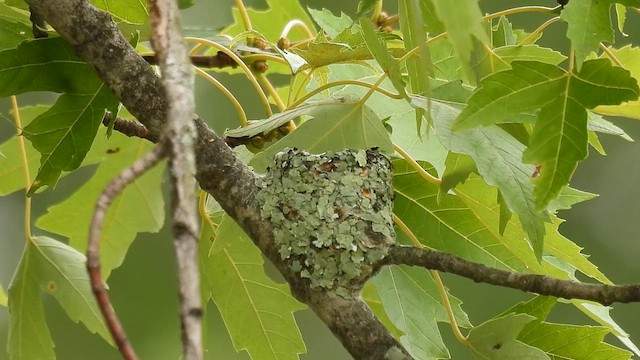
180 134
539 284
111 191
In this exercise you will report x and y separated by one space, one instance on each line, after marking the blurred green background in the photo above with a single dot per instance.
143 290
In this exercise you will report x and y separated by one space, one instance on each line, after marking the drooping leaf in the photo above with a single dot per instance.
497 339
425 147
419 66
497 156
539 307
66 131
140 207
378 49
64 134
58 270
345 125
257 312
462 21
262 127
329 23
411 300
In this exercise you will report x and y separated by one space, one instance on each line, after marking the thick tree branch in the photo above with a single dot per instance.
179 136
540 284
97 40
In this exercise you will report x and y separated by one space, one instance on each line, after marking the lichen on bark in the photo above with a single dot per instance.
331 214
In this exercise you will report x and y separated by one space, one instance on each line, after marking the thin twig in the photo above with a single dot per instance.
539 284
129 128
113 189
180 134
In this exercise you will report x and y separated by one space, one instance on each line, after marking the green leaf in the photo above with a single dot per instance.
345 125
419 66
411 300
527 86
500 58
11 170
257 312
58 270
559 139
462 22
12 33
480 199
61 272
378 49
66 131
570 341
425 147
64 134
497 156
45 65
590 24
270 22
130 12
458 167
569 197
600 314
29 336
329 23
539 306
371 297
3 297
629 57
140 207
564 341
598 124
496 339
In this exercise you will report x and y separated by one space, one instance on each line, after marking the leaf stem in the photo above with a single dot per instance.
538 30
202 207
243 116
25 166
299 23
322 88
522 9
611 55
414 164
271 90
243 66
437 279
244 14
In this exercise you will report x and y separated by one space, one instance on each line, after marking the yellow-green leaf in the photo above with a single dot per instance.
257 312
